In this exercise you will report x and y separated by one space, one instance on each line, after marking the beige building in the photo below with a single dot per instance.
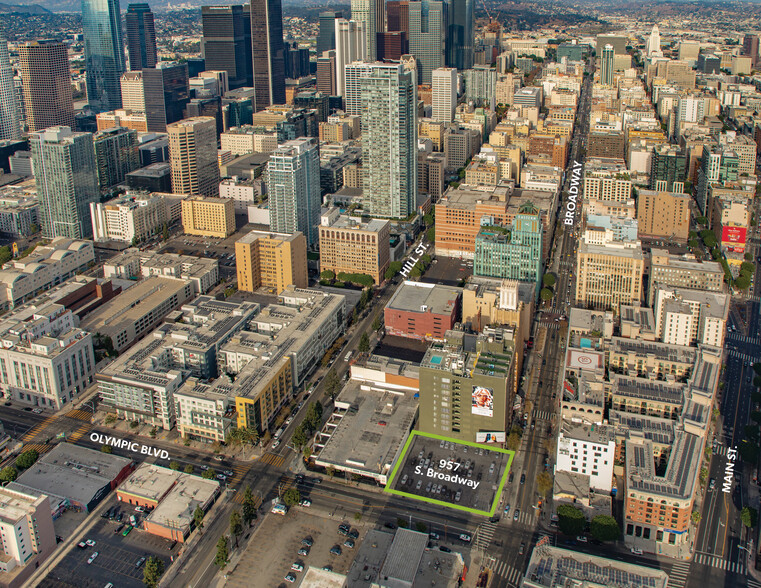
122 118
46 82
28 536
134 215
482 173
608 276
610 185
208 216
347 244
272 260
193 156
247 139
663 215
492 302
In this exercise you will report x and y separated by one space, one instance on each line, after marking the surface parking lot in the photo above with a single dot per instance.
277 542
463 475
117 556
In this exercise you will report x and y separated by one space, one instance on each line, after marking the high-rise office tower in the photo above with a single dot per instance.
460 38
326 40
226 42
398 16
268 53
351 46
9 123
44 67
293 176
193 156
606 66
160 93
654 42
67 181
326 73
373 14
141 37
388 97
443 93
392 45
750 47
427 39
104 53
116 155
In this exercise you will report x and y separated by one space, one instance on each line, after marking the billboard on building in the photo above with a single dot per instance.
491 437
733 236
482 401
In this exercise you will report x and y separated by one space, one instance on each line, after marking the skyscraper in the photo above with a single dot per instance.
44 67
398 16
326 73
326 40
104 53
116 155
141 37
160 93
388 96
193 156
443 93
293 176
460 40
750 47
427 36
654 42
373 14
268 53
9 123
351 46
606 66
67 181
226 42
392 45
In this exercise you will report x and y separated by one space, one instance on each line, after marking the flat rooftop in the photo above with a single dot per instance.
252 236
150 482
423 297
16 505
554 566
177 507
368 428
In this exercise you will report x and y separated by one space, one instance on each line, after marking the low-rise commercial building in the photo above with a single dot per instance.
19 213
418 310
208 216
349 244
48 265
135 312
202 272
271 260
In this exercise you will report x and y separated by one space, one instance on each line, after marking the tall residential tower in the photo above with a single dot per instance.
9 123
44 67
104 53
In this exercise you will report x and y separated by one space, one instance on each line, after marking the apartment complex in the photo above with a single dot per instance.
208 216
685 271
467 384
664 215
608 276
133 216
193 155
26 529
202 272
134 313
271 260
349 244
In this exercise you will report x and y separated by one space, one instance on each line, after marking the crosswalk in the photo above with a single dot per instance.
239 498
678 574
706 559
551 324
484 534
80 415
753 583
37 429
240 473
273 459
79 433
743 338
510 574
743 356
38 447
542 415
721 449
526 517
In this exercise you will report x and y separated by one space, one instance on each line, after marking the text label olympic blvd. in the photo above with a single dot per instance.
129 445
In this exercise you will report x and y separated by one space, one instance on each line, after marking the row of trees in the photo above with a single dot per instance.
571 521
239 520
23 462
307 427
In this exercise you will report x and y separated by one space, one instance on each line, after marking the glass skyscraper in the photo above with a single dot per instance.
104 53
460 38
141 37
428 26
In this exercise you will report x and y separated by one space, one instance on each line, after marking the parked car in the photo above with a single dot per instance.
434 536
304 551
636 551
290 578
335 550
308 541
581 539
92 557
445 549
139 562
297 567
465 537
305 502
354 534
349 543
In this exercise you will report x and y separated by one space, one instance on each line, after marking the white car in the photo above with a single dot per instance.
297 567
90 543
305 503
465 537
636 551
276 443
92 557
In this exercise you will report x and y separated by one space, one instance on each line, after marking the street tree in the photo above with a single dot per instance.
154 569
291 497
222 552
249 506
299 438
236 526
364 343
174 465
513 441
543 484
605 528
208 475
749 517
8 474
570 519
27 459
198 515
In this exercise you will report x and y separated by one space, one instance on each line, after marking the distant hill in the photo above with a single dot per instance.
23 9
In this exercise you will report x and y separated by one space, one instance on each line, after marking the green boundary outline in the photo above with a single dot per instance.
403 456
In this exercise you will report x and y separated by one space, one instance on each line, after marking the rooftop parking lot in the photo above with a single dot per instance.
462 475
